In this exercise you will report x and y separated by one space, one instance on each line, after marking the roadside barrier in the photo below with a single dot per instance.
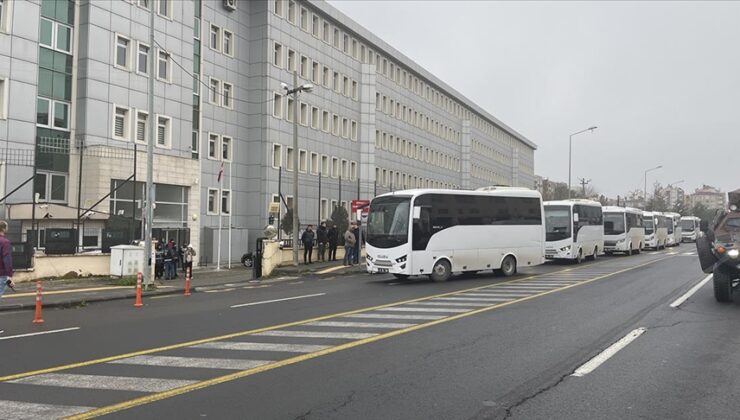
138 303
187 282
37 316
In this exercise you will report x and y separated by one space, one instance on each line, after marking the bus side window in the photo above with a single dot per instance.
422 230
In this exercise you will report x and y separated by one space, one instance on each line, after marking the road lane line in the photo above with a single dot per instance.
316 334
116 383
241 305
395 316
39 333
610 351
248 346
147 399
680 301
191 362
341 324
412 309
19 410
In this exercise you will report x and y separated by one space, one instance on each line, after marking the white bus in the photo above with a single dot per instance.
574 229
623 230
690 228
656 230
674 232
438 232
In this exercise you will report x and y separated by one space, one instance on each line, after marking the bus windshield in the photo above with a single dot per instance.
648 222
687 225
613 223
388 222
557 223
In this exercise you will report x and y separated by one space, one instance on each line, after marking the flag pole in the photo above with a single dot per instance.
220 214
231 198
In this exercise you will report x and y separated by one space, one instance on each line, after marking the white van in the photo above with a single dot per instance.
623 230
574 229
689 228
656 230
675 219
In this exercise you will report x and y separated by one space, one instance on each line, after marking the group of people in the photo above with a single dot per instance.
328 238
168 256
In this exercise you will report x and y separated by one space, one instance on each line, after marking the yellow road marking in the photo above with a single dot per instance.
331 269
61 292
249 372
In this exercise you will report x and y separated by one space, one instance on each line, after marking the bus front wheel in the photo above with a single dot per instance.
508 266
441 271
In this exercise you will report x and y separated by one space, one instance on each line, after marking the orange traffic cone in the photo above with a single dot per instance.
187 282
37 316
138 303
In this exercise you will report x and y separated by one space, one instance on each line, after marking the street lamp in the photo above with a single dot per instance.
295 90
644 193
570 155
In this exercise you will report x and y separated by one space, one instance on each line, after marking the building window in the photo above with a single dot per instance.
335 82
215 86
3 98
165 8
121 123
314 163
225 201
291 11
345 128
336 38
144 3
226 97
353 170
212 201
325 79
325 165
304 67
291 109
122 51
334 167
277 156
315 25
4 16
345 86
142 131
325 33
335 129
142 59
278 7
53 35
228 44
290 159
277 104
304 19
304 114
226 145
302 161
163 65
325 121
345 44
164 131
194 146
353 130
355 53
354 90
277 55
213 141
291 60
315 118
315 72
324 210
51 187
345 169
215 38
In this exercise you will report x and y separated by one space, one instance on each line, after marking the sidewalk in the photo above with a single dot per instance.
78 292
317 268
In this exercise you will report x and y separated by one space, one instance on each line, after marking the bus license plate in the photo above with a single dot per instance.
382 270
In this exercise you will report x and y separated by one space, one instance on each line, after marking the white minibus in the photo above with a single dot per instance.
574 229
623 230
437 232
656 230
675 232
690 228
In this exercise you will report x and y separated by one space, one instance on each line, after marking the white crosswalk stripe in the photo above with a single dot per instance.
191 362
500 293
471 299
117 383
412 309
316 334
243 346
19 410
395 316
475 294
447 303
387 325
525 288
550 283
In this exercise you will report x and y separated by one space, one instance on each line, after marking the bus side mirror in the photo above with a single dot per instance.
417 212
704 226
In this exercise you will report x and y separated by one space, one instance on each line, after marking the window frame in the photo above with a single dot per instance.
4 88
277 98
302 161
277 147
227 140
168 132
314 163
168 64
231 39
126 123
275 46
224 96
219 37
216 202
225 193
168 14
136 127
116 38
211 91
289 161
215 139
138 71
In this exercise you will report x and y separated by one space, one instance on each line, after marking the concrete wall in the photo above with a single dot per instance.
58 266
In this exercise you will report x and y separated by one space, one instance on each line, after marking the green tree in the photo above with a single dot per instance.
658 201
560 192
703 212
286 222
679 207
340 218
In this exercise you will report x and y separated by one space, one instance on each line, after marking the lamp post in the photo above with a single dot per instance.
295 91
644 192
570 156
672 185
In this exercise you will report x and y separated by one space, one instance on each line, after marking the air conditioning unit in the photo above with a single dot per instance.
230 4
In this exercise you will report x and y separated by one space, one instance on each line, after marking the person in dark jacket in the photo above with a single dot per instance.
333 238
6 260
356 253
169 262
322 237
159 261
307 240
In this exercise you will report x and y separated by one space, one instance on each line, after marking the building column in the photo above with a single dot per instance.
465 146
367 132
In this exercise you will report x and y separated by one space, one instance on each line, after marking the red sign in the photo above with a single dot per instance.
360 208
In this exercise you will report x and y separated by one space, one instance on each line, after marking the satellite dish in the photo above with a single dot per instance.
269 232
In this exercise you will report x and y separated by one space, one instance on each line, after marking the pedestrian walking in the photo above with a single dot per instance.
349 245
356 251
188 258
307 239
322 237
333 238
6 261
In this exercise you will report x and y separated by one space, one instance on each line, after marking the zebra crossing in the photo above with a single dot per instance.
125 378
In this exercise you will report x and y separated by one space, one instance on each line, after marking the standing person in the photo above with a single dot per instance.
159 261
356 252
307 239
168 262
349 245
6 262
175 257
333 237
188 257
322 237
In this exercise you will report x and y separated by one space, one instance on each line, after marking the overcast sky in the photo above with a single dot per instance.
661 80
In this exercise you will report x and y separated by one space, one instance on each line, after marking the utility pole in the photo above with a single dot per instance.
584 182
570 155
148 257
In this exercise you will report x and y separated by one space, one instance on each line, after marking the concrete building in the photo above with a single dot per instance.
674 196
711 197
374 122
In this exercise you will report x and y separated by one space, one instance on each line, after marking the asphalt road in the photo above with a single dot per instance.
373 347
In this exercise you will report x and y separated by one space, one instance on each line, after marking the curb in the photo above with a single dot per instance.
76 302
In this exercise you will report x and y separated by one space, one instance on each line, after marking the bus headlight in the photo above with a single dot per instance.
733 253
368 257
401 259
621 241
565 249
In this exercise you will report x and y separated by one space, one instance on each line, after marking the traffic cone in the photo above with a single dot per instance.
37 316
187 282
138 303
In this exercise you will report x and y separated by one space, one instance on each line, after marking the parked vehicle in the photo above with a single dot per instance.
574 230
719 248
623 230
437 232
690 228
656 230
673 223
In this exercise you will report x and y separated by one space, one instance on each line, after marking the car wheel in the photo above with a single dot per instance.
441 271
508 266
595 255
722 285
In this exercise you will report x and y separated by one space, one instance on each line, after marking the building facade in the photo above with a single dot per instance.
374 122
711 197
